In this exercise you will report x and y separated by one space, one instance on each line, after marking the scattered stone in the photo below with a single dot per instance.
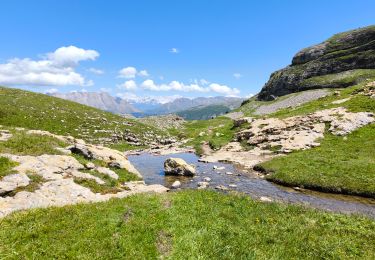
207 179
89 166
265 199
63 150
232 185
221 187
107 172
229 173
5 135
176 185
203 185
177 166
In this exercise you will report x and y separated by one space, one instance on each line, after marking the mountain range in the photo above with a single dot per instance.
145 107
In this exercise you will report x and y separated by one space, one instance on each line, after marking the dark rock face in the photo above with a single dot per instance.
343 52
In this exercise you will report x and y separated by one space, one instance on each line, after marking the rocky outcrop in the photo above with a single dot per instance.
343 53
302 132
66 192
177 166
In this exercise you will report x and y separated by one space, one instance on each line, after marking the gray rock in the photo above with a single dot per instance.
177 166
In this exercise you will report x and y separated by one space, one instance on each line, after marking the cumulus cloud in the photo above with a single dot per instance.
174 50
178 86
128 85
96 71
222 89
143 73
237 75
55 69
128 72
131 97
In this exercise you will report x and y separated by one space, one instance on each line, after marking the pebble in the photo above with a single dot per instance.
176 185
221 187
207 179
265 199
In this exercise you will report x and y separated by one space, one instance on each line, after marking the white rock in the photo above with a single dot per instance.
207 179
265 199
176 185
13 181
203 185
89 165
107 172
229 173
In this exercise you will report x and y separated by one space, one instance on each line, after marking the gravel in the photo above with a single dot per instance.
293 101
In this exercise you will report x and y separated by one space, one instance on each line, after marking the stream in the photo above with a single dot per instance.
152 168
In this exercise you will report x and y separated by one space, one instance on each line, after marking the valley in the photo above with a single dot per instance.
287 173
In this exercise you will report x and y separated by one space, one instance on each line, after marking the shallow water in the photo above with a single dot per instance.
151 167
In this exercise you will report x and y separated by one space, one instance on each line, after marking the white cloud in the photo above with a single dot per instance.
249 96
237 75
204 82
96 71
178 86
174 50
143 73
128 85
131 97
222 89
128 72
71 55
55 69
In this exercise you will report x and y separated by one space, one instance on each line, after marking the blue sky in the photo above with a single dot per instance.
188 48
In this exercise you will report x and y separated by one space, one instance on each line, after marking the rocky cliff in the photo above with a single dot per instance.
340 61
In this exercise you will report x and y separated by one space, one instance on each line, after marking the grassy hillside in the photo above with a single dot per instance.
342 165
185 225
19 108
203 113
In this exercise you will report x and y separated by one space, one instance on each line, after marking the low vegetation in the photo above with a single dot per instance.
342 79
340 165
111 185
19 108
6 166
22 143
357 103
213 226
203 113
216 132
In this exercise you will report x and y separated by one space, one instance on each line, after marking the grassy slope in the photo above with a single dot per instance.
37 111
337 165
182 225
203 113
217 132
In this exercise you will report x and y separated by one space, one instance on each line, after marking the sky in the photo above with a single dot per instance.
163 49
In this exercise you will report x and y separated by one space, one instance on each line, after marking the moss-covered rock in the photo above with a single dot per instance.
348 51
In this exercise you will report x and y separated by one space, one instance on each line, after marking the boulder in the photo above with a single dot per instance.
177 166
